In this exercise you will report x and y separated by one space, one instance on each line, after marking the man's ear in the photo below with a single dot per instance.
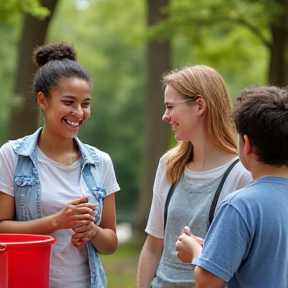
41 100
247 144
201 105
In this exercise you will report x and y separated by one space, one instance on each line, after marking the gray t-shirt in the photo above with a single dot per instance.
189 206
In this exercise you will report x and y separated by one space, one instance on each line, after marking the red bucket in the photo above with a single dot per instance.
3 266
28 260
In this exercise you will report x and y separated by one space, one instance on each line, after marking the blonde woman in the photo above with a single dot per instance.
198 109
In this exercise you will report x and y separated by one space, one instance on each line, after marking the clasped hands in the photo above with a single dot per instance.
188 246
79 215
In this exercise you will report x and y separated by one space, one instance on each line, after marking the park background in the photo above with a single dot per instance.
126 46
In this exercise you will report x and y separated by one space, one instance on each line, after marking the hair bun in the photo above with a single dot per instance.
45 53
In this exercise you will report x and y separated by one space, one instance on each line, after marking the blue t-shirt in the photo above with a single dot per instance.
247 243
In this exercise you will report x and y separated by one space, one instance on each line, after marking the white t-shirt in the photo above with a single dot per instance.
60 184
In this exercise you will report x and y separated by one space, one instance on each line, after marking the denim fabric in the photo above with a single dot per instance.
27 189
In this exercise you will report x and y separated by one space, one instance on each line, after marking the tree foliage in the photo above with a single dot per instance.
9 9
11 16
209 20
111 42
108 46
33 33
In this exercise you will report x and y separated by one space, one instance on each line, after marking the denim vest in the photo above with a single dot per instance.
27 188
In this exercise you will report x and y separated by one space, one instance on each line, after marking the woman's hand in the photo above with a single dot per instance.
188 247
83 234
76 213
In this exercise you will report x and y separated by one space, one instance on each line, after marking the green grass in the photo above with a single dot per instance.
121 267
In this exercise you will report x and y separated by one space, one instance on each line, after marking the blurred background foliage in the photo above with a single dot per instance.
113 55
239 38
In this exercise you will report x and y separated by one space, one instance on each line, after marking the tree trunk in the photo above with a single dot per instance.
157 132
277 66
279 44
24 118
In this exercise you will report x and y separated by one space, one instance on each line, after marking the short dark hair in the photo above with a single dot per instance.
262 114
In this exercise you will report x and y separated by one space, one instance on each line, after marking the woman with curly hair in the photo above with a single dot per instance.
53 184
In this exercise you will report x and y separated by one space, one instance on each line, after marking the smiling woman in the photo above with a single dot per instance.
198 109
55 184
70 106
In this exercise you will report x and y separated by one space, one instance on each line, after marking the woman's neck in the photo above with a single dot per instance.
59 149
209 156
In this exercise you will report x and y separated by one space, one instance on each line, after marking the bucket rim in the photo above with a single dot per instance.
31 239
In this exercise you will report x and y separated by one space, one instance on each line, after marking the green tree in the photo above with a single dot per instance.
33 34
11 8
110 42
156 131
265 19
112 51
11 14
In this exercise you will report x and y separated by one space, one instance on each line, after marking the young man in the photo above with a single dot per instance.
247 243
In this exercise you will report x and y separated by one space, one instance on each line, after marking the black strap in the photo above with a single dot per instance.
217 193
169 195
215 199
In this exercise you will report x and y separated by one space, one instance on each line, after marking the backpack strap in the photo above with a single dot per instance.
169 195
217 193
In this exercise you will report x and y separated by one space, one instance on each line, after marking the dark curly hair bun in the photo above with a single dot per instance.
45 53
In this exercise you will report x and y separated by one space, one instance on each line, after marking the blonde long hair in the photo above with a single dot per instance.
202 80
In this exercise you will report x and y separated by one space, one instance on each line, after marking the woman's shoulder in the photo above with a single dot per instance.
168 154
102 155
239 176
7 155
91 152
241 170
7 149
